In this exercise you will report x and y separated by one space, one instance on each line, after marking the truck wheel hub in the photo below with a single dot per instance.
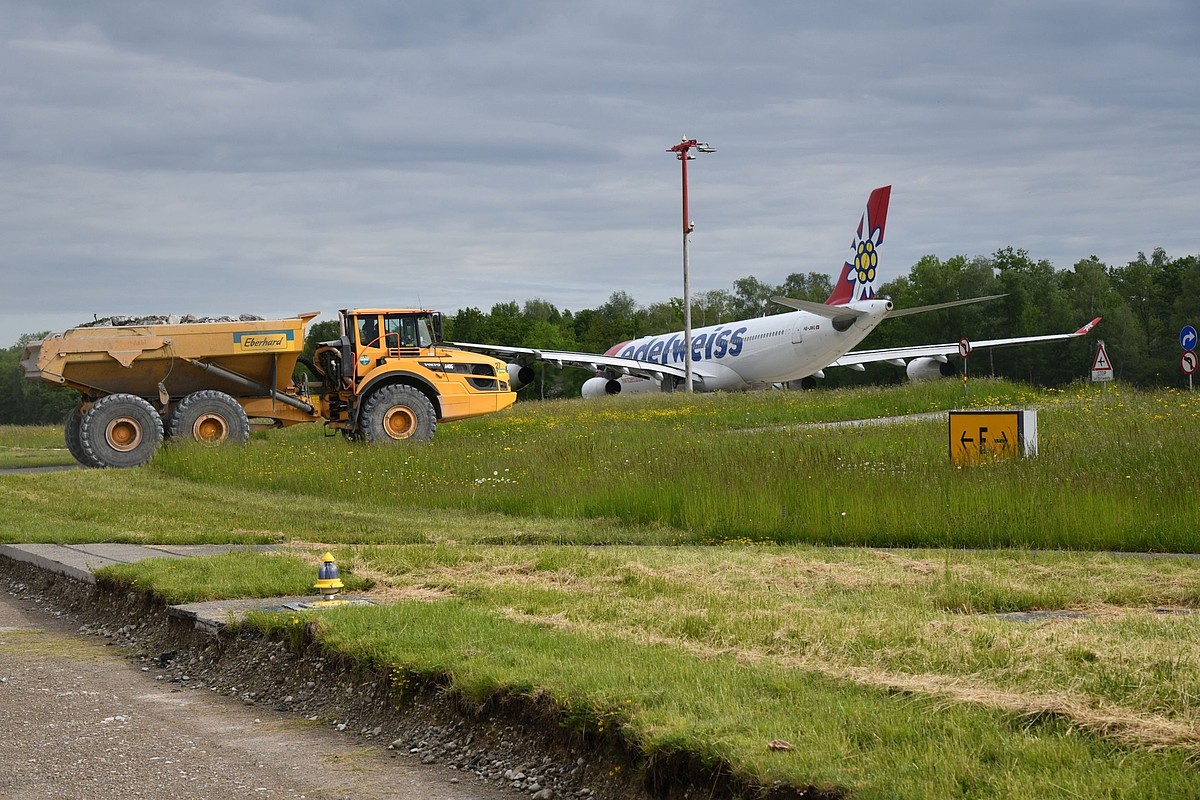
123 434
210 429
399 422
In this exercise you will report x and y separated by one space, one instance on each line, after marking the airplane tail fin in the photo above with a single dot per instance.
857 279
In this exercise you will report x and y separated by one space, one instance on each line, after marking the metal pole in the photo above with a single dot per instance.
687 288
681 152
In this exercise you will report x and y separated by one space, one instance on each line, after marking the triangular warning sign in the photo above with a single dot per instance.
1102 369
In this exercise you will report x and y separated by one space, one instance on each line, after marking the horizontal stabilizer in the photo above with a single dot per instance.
819 309
904 312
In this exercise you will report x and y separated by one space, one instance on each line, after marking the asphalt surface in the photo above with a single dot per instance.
82 721
20 470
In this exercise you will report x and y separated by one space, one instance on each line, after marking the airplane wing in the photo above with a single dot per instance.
899 355
588 361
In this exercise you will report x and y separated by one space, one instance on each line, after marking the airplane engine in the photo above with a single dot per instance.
634 385
519 375
928 369
599 387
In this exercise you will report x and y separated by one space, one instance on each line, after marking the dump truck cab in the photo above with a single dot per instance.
382 334
389 377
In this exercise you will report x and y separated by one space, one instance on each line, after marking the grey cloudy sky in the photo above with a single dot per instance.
278 157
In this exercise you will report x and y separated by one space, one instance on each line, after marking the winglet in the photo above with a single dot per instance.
1088 328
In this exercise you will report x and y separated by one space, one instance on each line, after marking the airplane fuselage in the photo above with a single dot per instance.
774 349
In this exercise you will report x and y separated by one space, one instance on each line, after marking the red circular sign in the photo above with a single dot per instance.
1188 362
964 347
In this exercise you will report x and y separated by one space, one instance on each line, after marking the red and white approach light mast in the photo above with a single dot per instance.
682 153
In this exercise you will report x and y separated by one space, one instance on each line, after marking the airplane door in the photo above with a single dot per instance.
797 335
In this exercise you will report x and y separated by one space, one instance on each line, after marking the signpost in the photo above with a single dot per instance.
1187 340
978 436
964 350
1102 370
1188 364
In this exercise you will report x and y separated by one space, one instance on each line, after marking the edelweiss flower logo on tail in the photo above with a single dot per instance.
866 249
857 280
867 259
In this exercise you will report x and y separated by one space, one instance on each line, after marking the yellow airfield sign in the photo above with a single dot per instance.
977 436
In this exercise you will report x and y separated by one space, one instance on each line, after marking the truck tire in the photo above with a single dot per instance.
397 413
71 434
210 418
120 430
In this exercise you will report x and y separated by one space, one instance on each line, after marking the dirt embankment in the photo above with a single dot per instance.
513 743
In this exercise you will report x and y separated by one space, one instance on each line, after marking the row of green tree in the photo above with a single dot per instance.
24 402
1144 304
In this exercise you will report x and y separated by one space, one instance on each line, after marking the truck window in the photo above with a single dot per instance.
368 331
406 330
424 334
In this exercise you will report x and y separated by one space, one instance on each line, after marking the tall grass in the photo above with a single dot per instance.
1111 473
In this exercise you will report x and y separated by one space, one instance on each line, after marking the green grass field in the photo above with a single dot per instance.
21 448
1110 475
660 566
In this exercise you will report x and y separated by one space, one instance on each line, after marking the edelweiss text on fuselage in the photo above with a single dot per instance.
664 349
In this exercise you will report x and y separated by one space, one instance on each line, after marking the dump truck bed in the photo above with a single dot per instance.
155 360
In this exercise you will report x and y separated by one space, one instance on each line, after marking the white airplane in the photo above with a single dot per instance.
798 345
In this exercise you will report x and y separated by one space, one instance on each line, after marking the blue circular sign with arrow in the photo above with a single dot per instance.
1187 338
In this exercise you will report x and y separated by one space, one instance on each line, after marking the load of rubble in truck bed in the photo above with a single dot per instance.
163 319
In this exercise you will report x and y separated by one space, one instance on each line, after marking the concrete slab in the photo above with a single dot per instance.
57 559
79 561
213 615
194 550
117 553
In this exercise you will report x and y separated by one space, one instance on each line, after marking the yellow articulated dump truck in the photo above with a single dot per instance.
387 378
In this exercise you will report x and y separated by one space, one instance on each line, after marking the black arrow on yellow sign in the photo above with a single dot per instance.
986 434
1001 440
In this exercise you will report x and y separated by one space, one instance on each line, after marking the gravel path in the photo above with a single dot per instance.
81 721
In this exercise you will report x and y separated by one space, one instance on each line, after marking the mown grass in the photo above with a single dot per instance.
33 446
884 669
866 742
852 657
1110 474
144 506
228 575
